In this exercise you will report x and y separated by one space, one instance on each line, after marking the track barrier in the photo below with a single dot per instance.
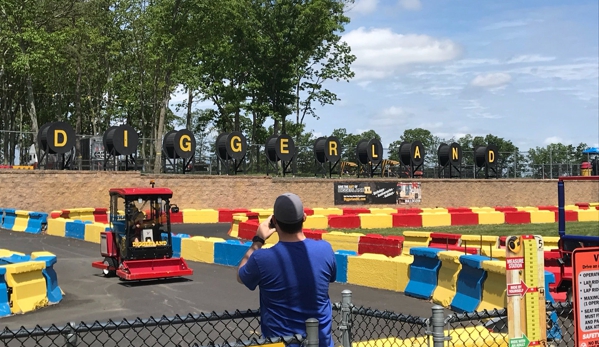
27 282
469 285
447 277
424 271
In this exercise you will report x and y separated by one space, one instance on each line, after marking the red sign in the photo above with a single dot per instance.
514 263
585 290
519 289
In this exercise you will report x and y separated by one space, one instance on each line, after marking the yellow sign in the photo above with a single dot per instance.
525 279
149 243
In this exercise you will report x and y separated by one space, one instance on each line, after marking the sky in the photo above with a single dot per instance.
527 71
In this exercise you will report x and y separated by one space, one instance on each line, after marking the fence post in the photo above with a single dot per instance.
346 322
438 327
70 339
311 332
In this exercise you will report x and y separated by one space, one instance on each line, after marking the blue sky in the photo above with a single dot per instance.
524 70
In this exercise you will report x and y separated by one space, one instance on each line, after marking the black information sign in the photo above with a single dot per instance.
365 193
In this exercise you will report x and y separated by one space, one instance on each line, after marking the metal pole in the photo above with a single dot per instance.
438 326
311 332
561 202
70 339
345 327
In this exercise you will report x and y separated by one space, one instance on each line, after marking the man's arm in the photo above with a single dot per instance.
264 231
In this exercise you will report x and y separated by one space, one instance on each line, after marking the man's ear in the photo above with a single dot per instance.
305 216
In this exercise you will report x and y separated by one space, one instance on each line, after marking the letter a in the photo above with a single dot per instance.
417 152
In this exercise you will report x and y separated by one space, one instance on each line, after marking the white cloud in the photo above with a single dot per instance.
380 51
505 24
363 7
568 72
495 79
431 126
410 4
391 116
553 139
532 58
364 84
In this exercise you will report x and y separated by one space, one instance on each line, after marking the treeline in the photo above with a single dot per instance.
97 63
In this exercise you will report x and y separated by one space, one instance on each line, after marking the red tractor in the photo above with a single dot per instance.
138 245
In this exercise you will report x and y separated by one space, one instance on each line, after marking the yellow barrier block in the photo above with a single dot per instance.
35 255
273 239
200 216
316 222
327 211
237 218
21 220
415 239
434 210
550 242
461 337
482 209
379 271
447 278
84 213
436 219
375 221
199 248
28 286
542 217
588 216
93 231
480 241
572 207
495 253
56 226
491 217
527 208
341 241
384 210
494 287
7 253
594 204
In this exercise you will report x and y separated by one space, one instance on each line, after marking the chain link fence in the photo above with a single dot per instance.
353 326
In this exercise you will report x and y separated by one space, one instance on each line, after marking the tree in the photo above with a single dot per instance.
555 160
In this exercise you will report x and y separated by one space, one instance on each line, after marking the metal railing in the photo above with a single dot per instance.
352 326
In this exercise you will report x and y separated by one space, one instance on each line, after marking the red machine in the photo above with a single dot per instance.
139 245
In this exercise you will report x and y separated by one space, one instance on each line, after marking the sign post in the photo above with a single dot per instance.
585 290
525 279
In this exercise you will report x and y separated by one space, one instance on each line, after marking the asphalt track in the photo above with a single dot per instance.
90 297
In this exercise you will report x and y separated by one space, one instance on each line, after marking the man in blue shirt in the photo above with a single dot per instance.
293 275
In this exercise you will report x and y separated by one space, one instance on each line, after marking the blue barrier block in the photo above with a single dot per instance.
177 244
230 252
555 332
1 217
4 304
14 258
469 289
424 272
76 229
341 260
35 222
53 290
9 218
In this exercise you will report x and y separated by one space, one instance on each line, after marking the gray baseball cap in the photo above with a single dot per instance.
288 208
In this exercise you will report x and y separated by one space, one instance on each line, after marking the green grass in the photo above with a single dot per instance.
548 229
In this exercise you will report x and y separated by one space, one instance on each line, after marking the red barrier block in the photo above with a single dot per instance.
442 240
517 217
375 243
247 229
571 215
308 211
101 215
225 215
354 211
411 210
253 216
55 214
502 241
464 218
413 220
458 209
176 217
344 221
505 209
583 205
551 258
314 234
547 208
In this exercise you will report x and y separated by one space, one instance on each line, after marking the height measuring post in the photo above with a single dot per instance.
585 290
525 278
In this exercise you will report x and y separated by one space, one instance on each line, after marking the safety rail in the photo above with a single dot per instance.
353 326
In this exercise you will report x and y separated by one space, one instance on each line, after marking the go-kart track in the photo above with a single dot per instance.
89 296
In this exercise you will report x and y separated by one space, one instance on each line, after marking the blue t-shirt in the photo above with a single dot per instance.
294 282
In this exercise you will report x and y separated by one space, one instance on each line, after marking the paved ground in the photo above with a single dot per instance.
90 297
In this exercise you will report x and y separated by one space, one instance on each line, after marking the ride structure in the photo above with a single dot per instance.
139 245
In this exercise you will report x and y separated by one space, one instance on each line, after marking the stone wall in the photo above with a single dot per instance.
52 190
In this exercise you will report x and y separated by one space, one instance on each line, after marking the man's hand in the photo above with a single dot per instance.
264 230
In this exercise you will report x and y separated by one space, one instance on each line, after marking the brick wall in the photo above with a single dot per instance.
50 190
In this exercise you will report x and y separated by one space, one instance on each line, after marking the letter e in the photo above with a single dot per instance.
284 146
